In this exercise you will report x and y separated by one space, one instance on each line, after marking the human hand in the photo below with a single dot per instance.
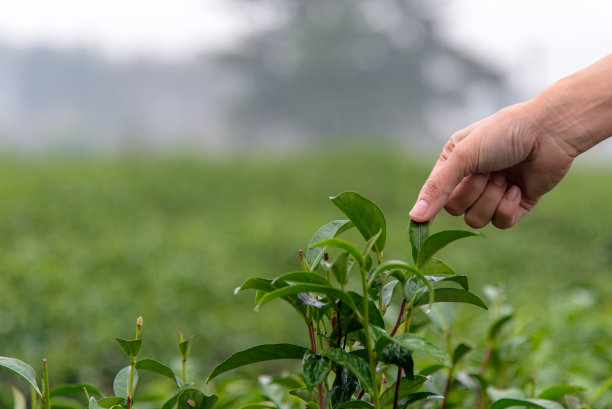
495 170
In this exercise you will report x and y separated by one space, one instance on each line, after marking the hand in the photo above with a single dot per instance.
495 170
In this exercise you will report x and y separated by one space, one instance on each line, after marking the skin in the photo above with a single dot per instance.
497 169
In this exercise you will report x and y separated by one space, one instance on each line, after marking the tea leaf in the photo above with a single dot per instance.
355 364
407 386
530 403
304 394
369 244
307 288
355 404
437 241
397 355
498 325
346 246
418 232
131 347
61 390
314 254
387 293
259 406
343 387
302 277
122 379
110 401
437 266
315 368
264 285
93 404
340 267
22 369
453 295
414 343
461 280
460 351
191 398
161 369
260 353
365 215
415 397
555 392
184 346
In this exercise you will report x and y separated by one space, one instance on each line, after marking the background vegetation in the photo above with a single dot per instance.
90 243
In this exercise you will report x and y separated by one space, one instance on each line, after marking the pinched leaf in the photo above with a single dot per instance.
418 232
122 380
365 215
22 369
315 368
302 277
460 351
437 241
191 398
415 397
131 347
354 363
453 295
555 392
307 288
346 246
260 353
159 368
314 254
530 403
62 390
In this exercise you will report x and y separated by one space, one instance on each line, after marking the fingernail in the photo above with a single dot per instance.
512 193
498 179
419 209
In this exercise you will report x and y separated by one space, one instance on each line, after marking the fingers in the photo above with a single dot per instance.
483 210
466 193
509 210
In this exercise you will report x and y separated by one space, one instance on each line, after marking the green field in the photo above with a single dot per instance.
89 244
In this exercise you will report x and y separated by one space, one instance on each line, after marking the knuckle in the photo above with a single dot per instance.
474 221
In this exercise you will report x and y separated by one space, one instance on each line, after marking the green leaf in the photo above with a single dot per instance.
93 404
307 288
460 352
191 398
453 295
437 241
260 353
259 406
61 390
370 244
431 369
264 285
159 368
401 357
184 346
19 401
555 392
346 246
387 293
171 403
110 401
305 395
407 386
22 369
498 325
437 266
131 347
461 280
314 254
355 404
418 232
122 379
315 368
302 277
416 344
530 403
355 364
365 215
340 268
345 384
415 397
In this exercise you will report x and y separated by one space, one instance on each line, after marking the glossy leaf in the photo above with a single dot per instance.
264 285
346 246
387 293
93 404
417 232
22 369
416 344
555 392
437 266
355 404
158 368
315 368
355 364
62 390
401 357
415 397
460 351
302 277
314 254
122 379
457 279
407 386
307 288
345 384
110 401
453 295
530 403
312 300
498 325
191 398
260 353
340 268
365 215
437 241
130 347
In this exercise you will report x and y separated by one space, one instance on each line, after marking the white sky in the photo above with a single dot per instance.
535 41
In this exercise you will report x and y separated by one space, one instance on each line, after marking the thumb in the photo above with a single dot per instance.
444 177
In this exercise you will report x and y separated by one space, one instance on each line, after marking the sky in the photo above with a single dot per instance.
534 41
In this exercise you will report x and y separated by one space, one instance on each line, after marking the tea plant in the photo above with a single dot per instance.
355 358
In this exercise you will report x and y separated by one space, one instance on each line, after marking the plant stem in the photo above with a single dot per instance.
339 324
451 370
130 391
184 365
46 395
397 387
399 319
313 346
407 329
366 327
33 397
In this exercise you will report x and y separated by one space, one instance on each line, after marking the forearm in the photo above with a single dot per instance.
578 108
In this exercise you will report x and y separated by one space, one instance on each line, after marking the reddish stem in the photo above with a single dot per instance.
313 346
397 388
399 318
361 394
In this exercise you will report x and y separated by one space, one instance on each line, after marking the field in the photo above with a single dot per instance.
89 244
